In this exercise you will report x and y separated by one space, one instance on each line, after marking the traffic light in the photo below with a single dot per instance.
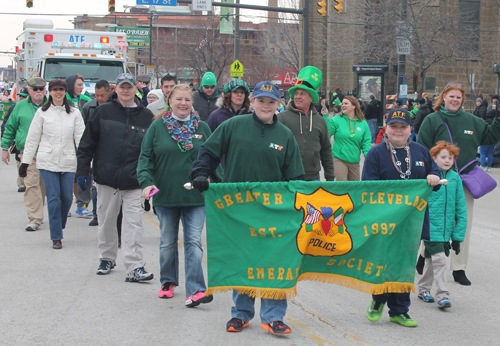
322 10
111 6
29 3
340 6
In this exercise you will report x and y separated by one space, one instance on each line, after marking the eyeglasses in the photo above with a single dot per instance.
209 86
168 74
457 84
38 89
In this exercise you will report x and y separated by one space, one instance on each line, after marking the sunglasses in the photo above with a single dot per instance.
453 83
37 89
209 86
126 76
168 74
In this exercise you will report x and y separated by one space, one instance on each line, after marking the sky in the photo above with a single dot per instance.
13 16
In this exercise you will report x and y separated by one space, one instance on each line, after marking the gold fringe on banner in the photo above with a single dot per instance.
288 293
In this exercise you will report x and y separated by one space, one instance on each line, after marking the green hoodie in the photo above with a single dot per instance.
311 133
19 123
468 133
345 147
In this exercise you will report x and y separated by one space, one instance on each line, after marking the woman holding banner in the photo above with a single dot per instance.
451 123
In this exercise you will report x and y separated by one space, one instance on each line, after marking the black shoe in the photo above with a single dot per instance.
420 264
459 276
94 222
21 189
57 244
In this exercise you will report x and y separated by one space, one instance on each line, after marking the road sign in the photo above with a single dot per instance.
202 5
403 90
404 47
150 70
236 69
157 2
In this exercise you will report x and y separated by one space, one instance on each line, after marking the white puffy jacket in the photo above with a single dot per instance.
56 134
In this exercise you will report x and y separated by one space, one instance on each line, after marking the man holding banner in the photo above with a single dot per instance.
256 148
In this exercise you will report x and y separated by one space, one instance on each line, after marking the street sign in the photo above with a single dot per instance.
202 5
136 37
236 69
403 90
404 47
157 2
150 70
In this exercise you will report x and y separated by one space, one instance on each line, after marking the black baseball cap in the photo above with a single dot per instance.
399 114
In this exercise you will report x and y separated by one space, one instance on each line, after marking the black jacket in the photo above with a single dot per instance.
113 138
372 110
421 114
88 109
481 111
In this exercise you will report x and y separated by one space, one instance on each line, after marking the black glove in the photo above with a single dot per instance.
455 245
83 181
200 183
23 170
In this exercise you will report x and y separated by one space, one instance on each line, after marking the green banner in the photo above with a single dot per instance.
262 238
226 19
136 37
4 108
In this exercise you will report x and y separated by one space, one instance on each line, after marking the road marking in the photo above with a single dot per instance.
308 331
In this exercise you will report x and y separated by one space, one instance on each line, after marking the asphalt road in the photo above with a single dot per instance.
53 297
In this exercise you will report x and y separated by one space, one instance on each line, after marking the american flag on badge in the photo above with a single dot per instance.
313 215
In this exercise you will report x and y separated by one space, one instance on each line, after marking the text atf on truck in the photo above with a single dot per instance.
57 53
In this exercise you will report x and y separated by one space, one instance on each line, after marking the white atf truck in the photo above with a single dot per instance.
57 53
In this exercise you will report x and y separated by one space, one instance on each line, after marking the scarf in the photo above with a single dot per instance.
447 112
183 135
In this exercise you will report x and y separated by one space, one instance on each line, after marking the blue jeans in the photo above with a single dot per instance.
192 222
398 303
270 309
59 191
372 124
486 150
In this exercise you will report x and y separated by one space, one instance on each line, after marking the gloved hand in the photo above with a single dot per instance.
455 245
23 170
83 181
200 183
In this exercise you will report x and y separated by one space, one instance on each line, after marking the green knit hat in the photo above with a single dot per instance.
309 79
208 79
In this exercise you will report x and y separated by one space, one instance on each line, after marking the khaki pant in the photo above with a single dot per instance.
34 196
345 171
108 207
459 262
20 181
434 270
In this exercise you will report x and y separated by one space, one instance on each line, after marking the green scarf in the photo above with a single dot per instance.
447 112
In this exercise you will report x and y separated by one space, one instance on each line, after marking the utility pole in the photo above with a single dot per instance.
151 15
305 33
402 58
237 32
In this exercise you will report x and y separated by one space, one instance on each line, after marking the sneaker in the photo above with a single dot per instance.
404 320
198 298
374 311
276 327
166 291
21 189
139 274
69 214
57 244
105 267
426 297
83 212
32 226
488 169
459 276
94 222
236 325
444 303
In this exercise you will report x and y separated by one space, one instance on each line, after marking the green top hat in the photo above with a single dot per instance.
309 79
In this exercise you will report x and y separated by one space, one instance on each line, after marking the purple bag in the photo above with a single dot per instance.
477 181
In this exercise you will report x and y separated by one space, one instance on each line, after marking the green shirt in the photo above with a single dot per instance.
162 163
19 123
256 151
345 147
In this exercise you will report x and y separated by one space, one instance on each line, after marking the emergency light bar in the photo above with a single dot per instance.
82 45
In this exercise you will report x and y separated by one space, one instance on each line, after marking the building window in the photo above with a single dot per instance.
430 83
468 27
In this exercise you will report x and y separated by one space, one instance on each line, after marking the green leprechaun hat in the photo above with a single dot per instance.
309 79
